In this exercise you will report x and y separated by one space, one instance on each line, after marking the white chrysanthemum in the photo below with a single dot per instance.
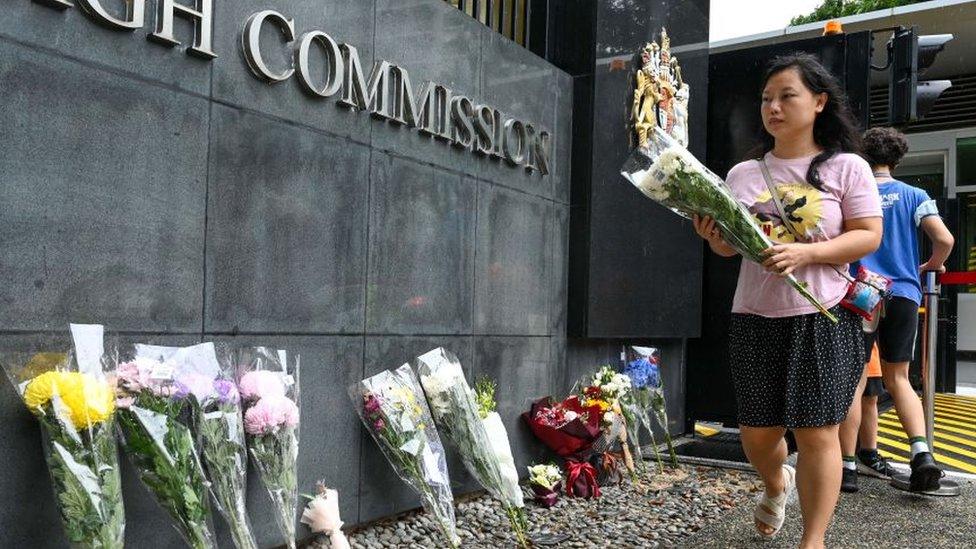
652 184
437 386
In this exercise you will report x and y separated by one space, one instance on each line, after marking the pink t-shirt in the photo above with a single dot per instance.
850 192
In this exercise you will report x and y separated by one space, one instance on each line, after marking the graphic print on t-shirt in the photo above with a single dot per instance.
803 205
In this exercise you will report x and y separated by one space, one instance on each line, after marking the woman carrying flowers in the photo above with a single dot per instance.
793 368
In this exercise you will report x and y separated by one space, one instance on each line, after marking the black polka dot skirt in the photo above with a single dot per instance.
798 371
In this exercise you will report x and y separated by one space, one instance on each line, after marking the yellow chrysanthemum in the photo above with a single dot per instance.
87 400
604 405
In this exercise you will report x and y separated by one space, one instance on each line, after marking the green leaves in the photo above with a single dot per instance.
225 457
833 9
85 472
162 449
484 391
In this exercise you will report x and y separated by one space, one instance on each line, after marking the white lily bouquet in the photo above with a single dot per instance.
670 175
470 422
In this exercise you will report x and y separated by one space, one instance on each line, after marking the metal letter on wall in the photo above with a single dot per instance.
357 93
539 150
462 130
333 64
134 11
251 40
57 4
484 129
514 141
202 18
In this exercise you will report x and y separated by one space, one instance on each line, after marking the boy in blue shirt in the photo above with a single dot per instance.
906 209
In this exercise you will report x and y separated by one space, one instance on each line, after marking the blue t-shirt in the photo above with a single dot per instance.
904 208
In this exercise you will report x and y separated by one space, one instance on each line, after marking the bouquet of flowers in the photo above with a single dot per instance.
667 173
469 421
74 402
546 481
569 429
209 384
268 384
321 514
392 407
648 392
153 411
604 389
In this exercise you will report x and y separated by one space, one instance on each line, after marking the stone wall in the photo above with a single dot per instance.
176 199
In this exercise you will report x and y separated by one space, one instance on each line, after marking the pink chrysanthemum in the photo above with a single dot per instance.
261 384
270 414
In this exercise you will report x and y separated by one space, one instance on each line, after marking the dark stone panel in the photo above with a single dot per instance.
383 492
102 187
570 29
694 69
585 356
329 441
286 229
349 21
524 371
559 269
421 252
644 261
563 137
74 33
522 86
511 271
434 42
31 518
559 358
624 27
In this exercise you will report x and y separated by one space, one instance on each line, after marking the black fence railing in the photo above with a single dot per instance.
510 18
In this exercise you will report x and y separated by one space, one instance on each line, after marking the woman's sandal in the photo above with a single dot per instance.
777 505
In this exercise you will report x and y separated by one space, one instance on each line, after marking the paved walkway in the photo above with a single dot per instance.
876 516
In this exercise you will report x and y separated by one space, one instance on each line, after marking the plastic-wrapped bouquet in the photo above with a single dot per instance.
268 385
545 479
470 422
667 173
605 389
643 368
392 407
570 429
153 414
321 514
74 402
209 382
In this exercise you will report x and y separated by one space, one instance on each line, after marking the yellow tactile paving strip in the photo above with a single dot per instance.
955 434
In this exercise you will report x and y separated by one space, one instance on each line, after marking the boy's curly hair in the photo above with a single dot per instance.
884 147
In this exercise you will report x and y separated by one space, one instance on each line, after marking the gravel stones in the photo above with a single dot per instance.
661 510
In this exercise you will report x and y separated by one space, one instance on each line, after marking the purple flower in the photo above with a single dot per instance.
200 386
372 404
226 391
379 424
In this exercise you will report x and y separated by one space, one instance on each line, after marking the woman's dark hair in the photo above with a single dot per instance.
884 147
834 129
